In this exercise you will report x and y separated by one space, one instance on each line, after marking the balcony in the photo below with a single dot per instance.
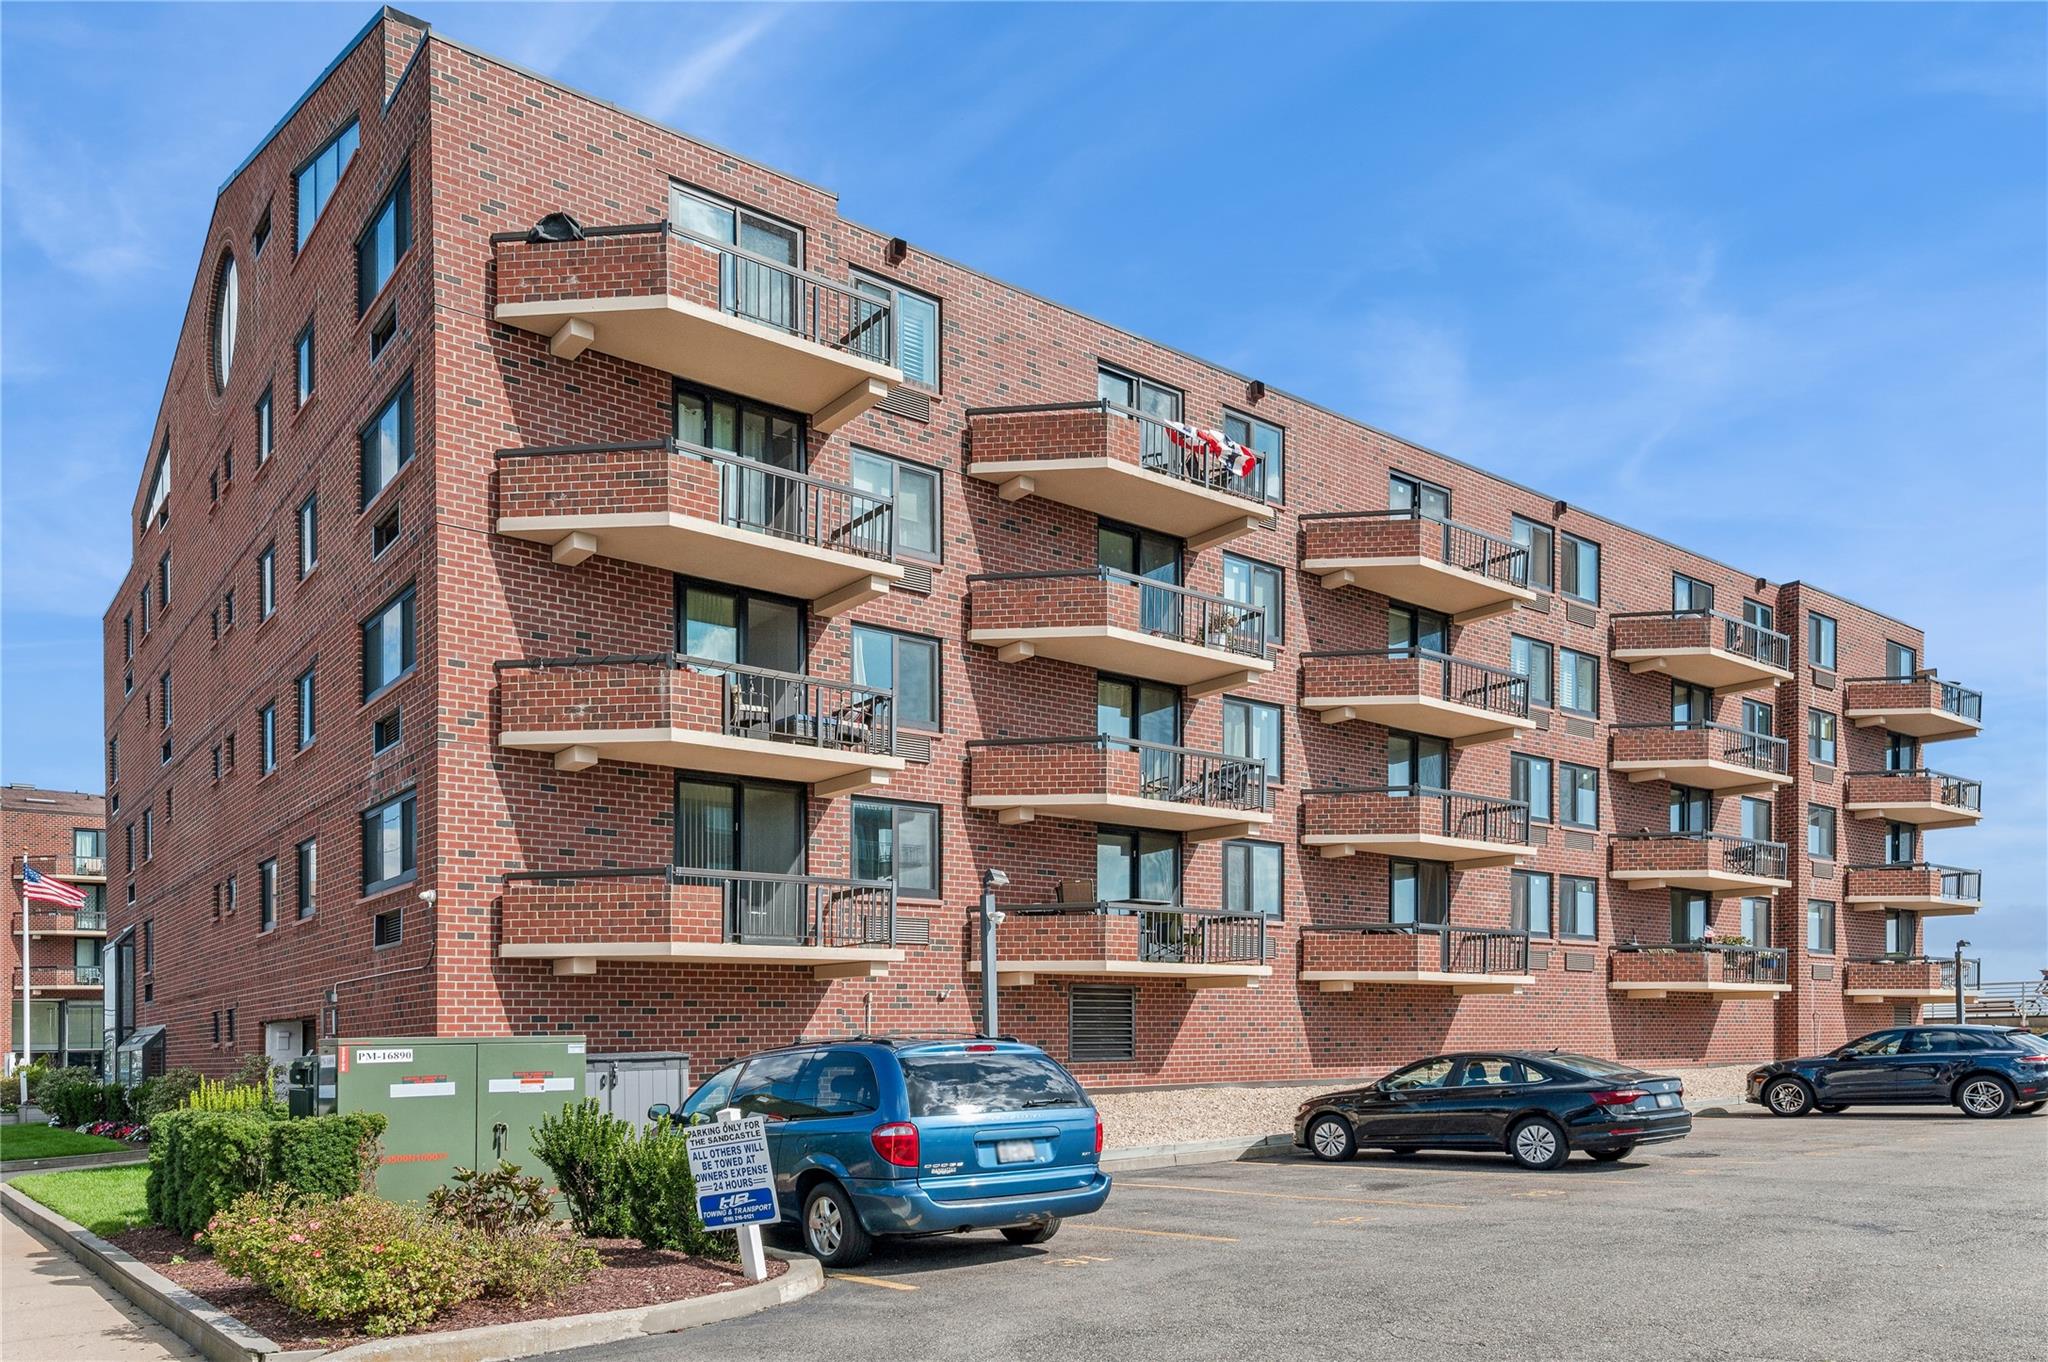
1420 955
700 715
702 513
1706 756
659 296
836 929
1119 463
1468 574
1918 706
1199 947
85 922
1710 862
1926 798
50 978
1907 979
1720 652
1419 691
1649 972
66 866
1116 622
1467 831
1104 779
1929 890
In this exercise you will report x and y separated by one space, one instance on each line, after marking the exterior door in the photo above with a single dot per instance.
1154 557
722 624
772 438
1416 763
1153 399
751 827
285 1041
1485 1092
1412 630
1149 712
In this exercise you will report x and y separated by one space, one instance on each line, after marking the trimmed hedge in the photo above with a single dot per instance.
201 1161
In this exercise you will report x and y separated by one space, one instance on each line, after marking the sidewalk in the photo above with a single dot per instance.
56 1310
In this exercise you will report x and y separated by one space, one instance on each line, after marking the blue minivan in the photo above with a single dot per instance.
876 1136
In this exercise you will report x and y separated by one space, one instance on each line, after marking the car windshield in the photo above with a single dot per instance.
1589 1066
2026 1042
948 1084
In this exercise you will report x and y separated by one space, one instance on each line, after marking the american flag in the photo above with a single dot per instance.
37 888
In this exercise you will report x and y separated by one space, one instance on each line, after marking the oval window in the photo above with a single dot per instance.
227 301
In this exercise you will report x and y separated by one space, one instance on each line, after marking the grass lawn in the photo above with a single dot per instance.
48 1142
104 1200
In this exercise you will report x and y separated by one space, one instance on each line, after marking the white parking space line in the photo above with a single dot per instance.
1157 1234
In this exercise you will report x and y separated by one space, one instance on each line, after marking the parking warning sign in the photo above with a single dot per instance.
735 1184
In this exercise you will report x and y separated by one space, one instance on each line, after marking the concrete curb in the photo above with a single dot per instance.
224 1338
58 1162
1196 1151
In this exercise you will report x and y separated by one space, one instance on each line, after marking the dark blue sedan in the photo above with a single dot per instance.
1987 1071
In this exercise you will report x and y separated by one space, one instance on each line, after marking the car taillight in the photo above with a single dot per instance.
1098 1132
1618 1097
2033 1059
896 1143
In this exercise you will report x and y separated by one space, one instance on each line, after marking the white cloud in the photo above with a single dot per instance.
704 67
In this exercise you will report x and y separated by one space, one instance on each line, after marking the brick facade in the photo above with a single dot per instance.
39 828
493 150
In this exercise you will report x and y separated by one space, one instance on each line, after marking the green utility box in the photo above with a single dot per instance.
449 1102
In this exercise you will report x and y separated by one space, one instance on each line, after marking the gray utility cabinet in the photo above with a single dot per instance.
626 1085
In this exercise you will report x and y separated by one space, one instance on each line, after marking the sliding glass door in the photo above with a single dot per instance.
754 827
1149 712
762 435
1154 557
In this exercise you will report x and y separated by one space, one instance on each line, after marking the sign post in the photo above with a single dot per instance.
735 1182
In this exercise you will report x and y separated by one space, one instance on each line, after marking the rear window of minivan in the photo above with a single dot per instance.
948 1084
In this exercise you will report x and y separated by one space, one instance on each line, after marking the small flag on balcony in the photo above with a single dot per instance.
1239 459
38 888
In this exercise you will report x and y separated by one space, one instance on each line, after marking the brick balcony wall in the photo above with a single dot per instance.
1903 975
1066 936
1866 695
1083 602
1670 853
611 912
609 482
1661 633
628 695
1011 437
627 265
1904 881
1376 951
1375 813
1666 967
1668 744
1053 769
1371 537
1331 678
1901 788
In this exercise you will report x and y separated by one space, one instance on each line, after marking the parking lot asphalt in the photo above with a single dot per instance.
1868 1235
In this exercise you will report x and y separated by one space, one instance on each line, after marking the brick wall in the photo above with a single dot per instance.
609 482
38 824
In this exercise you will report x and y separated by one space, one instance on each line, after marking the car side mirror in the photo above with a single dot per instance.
658 1113
700 1118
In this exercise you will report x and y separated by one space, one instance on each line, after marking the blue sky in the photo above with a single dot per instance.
1640 257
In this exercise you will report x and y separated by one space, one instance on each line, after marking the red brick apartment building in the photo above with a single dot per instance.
61 835
583 583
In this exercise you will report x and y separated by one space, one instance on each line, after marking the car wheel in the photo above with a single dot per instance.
1984 1096
1032 1234
1788 1097
2029 1108
1330 1139
1614 1155
1829 1109
1538 1144
833 1233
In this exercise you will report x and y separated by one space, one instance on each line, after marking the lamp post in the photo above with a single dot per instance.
991 880
1960 1017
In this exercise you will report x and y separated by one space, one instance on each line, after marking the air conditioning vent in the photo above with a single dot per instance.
917 577
913 746
913 931
907 402
1581 614
1102 1023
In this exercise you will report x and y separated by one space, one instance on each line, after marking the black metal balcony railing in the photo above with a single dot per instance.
1171 611
1473 817
1737 636
1956 884
768 909
1160 451
1739 964
1480 685
1973 970
89 920
62 976
1465 547
770 705
810 306
1957 700
1740 855
1736 746
1460 950
65 865
768 500
1954 792
1186 936
1185 775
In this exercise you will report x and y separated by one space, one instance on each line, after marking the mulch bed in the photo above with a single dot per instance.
632 1276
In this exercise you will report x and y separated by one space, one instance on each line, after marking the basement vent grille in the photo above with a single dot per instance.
1102 1023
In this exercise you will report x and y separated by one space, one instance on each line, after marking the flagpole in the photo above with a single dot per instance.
26 987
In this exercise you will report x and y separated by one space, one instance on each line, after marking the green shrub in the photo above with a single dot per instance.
199 1161
495 1202
326 1156
75 1096
585 1149
212 1094
257 1070
152 1097
10 1086
531 1264
661 1196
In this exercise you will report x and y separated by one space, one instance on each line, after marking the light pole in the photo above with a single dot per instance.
1960 1017
991 880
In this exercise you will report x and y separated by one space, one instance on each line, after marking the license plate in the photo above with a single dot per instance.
1666 1099
1015 1151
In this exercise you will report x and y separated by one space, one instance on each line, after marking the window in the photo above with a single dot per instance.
260 236
143 600
1270 442
228 750
1756 818
1900 929
389 844
216 1028
386 734
227 465
383 242
317 178
1689 916
266 582
266 896
266 729
305 689
229 896
383 331
1578 681
905 663
389 927
1251 878
113 761
227 315
1578 796
308 877
1899 660
163 580
157 506
386 442
1538 539
1690 593
1533 660
148 834
1756 921
1901 752
1530 900
1529 782
1899 842
1690 810
1820 832
1252 729
897 842
1579 568
1413 494
917 330
1820 736
1411 630
1820 641
1254 583
1578 906
265 430
227 609
1820 927
915 491
303 353
163 690
388 648
128 838
1419 892
1417 763
167 752
384 534
1690 705
309 534
128 637
1756 717
1131 864
1102 1023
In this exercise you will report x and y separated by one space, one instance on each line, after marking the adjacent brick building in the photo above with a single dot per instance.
59 834
1296 762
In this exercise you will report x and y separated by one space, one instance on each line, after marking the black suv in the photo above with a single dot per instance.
1987 1071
